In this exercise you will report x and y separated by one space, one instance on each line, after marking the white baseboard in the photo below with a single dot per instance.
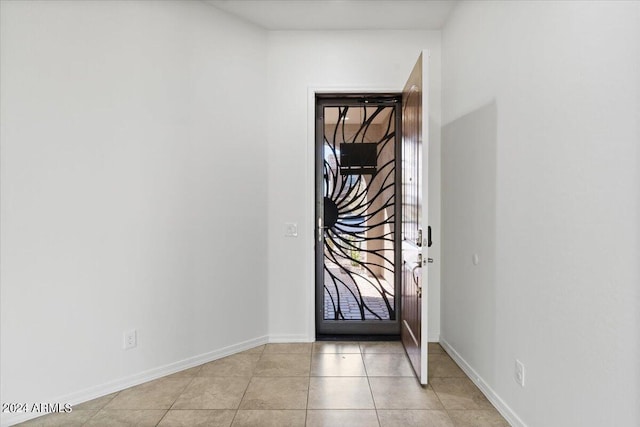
493 397
9 419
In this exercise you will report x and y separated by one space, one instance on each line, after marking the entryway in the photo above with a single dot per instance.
357 157
372 235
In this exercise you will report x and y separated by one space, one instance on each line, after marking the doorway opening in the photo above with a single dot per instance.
358 214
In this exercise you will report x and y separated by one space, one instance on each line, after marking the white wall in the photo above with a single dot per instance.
133 191
297 63
541 161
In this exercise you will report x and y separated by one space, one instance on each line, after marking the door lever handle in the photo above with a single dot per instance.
321 228
415 280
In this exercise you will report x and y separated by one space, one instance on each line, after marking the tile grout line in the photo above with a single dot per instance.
306 406
163 415
101 408
178 396
439 400
446 410
245 390
375 408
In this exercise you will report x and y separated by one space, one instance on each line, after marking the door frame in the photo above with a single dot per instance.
309 225
391 327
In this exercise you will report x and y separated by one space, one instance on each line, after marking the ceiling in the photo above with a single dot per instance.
340 14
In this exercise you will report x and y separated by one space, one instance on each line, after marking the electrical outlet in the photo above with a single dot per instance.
519 373
130 339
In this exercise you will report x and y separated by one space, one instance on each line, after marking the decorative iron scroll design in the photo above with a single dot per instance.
359 213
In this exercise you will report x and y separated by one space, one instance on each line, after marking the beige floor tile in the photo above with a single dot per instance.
478 418
126 417
339 393
336 347
289 348
342 418
253 418
367 347
255 350
197 418
402 393
157 394
63 419
441 365
213 393
387 365
459 393
435 348
337 365
271 385
414 418
186 373
283 365
276 393
98 403
238 365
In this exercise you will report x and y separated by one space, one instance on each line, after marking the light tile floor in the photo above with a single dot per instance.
336 384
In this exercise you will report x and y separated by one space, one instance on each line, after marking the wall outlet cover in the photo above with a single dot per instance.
130 339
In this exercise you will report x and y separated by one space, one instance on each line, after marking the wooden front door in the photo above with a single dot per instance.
414 218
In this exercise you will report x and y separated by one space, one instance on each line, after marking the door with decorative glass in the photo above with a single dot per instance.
357 214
